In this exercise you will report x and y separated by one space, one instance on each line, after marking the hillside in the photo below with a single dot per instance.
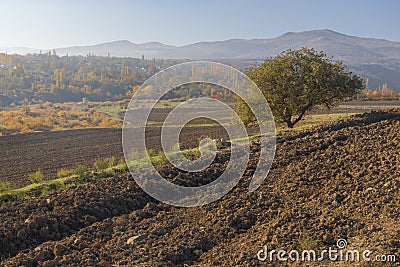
344 47
335 181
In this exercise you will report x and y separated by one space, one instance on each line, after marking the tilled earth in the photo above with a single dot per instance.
24 154
337 181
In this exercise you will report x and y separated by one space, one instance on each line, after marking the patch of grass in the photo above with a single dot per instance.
201 122
316 119
47 189
70 177
167 104
34 190
122 167
113 111
82 174
104 174
116 111
109 167
306 242
191 154
36 177
141 163
157 158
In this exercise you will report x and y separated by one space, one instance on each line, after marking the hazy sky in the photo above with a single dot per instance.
57 23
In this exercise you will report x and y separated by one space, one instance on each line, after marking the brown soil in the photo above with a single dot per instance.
336 181
51 151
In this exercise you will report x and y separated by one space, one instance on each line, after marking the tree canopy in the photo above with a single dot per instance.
295 81
39 78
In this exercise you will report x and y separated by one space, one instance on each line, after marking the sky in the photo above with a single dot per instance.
47 24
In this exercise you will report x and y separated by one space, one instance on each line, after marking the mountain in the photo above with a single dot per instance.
122 48
19 50
376 59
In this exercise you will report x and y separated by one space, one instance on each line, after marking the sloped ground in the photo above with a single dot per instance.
337 181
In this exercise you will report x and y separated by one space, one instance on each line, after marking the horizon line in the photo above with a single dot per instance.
193 43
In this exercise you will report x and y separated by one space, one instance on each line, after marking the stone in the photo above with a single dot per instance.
22 234
136 238
61 250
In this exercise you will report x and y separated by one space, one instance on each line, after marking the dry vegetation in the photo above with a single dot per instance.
52 117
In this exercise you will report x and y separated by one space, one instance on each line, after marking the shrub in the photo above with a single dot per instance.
36 177
4 186
122 161
122 167
101 164
46 190
162 157
151 152
157 158
65 173
53 186
112 162
83 174
219 145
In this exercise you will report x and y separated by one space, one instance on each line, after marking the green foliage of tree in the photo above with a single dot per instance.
295 81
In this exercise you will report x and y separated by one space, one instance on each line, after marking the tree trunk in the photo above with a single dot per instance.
289 124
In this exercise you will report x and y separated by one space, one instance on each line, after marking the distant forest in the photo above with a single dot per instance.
48 77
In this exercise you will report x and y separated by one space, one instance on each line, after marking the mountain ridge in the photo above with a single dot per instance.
372 58
316 33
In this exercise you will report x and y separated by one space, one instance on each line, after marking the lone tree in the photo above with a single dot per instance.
296 81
